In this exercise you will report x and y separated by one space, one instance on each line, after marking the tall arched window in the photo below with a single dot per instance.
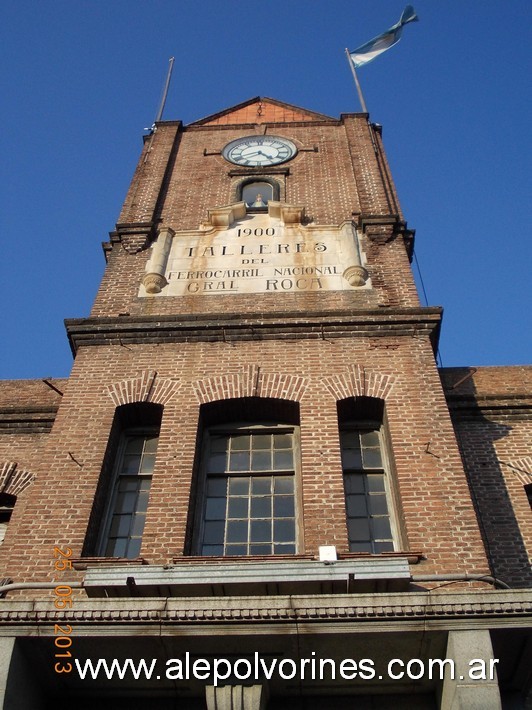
121 502
248 479
367 476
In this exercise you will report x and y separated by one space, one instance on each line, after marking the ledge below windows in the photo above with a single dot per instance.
254 578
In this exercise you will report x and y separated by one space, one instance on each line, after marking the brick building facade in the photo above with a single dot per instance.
256 452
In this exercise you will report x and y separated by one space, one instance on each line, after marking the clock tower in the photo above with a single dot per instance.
256 475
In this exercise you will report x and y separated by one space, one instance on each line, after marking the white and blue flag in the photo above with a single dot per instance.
364 54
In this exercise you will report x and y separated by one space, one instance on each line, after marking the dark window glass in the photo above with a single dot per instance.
368 518
249 505
129 499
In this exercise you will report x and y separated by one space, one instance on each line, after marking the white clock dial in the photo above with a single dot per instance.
258 151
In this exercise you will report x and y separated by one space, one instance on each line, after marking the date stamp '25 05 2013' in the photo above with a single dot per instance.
63 600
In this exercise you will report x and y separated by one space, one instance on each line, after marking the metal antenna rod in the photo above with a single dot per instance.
165 91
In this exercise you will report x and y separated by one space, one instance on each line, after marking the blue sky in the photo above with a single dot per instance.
82 78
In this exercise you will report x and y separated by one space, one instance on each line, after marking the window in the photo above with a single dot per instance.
257 193
7 503
366 479
119 510
128 504
249 494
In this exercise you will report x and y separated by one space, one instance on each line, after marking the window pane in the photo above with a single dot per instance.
370 438
372 458
120 526
283 460
217 486
133 548
282 441
356 506
212 550
358 529
284 549
354 483
284 484
377 504
236 549
261 507
148 462
150 446
125 502
381 528
351 458
261 461
130 464
239 461
283 530
215 509
142 502
240 442
128 485
239 486
283 507
237 508
261 485
237 531
376 482
138 525
218 444
134 445
213 533
262 441
217 463
261 531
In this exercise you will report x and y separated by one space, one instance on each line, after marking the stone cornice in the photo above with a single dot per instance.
261 326
468 609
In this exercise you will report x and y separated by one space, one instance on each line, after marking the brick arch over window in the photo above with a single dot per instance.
14 480
522 468
359 381
147 387
250 382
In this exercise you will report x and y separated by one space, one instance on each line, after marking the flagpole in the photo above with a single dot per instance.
357 84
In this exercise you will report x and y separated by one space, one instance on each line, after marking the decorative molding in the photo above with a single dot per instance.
409 607
147 387
358 381
14 480
250 382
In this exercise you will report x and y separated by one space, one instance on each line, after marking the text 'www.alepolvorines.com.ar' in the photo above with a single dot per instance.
256 668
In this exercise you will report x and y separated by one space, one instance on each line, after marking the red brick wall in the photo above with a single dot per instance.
438 518
491 409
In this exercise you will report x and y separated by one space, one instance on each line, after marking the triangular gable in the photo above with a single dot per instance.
261 110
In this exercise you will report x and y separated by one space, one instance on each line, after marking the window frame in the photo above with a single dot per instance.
361 425
113 488
237 428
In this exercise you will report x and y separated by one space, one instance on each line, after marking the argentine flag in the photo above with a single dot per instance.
364 54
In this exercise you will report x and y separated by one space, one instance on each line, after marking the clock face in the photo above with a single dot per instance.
256 151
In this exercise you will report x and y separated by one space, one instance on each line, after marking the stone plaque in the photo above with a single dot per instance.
255 253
